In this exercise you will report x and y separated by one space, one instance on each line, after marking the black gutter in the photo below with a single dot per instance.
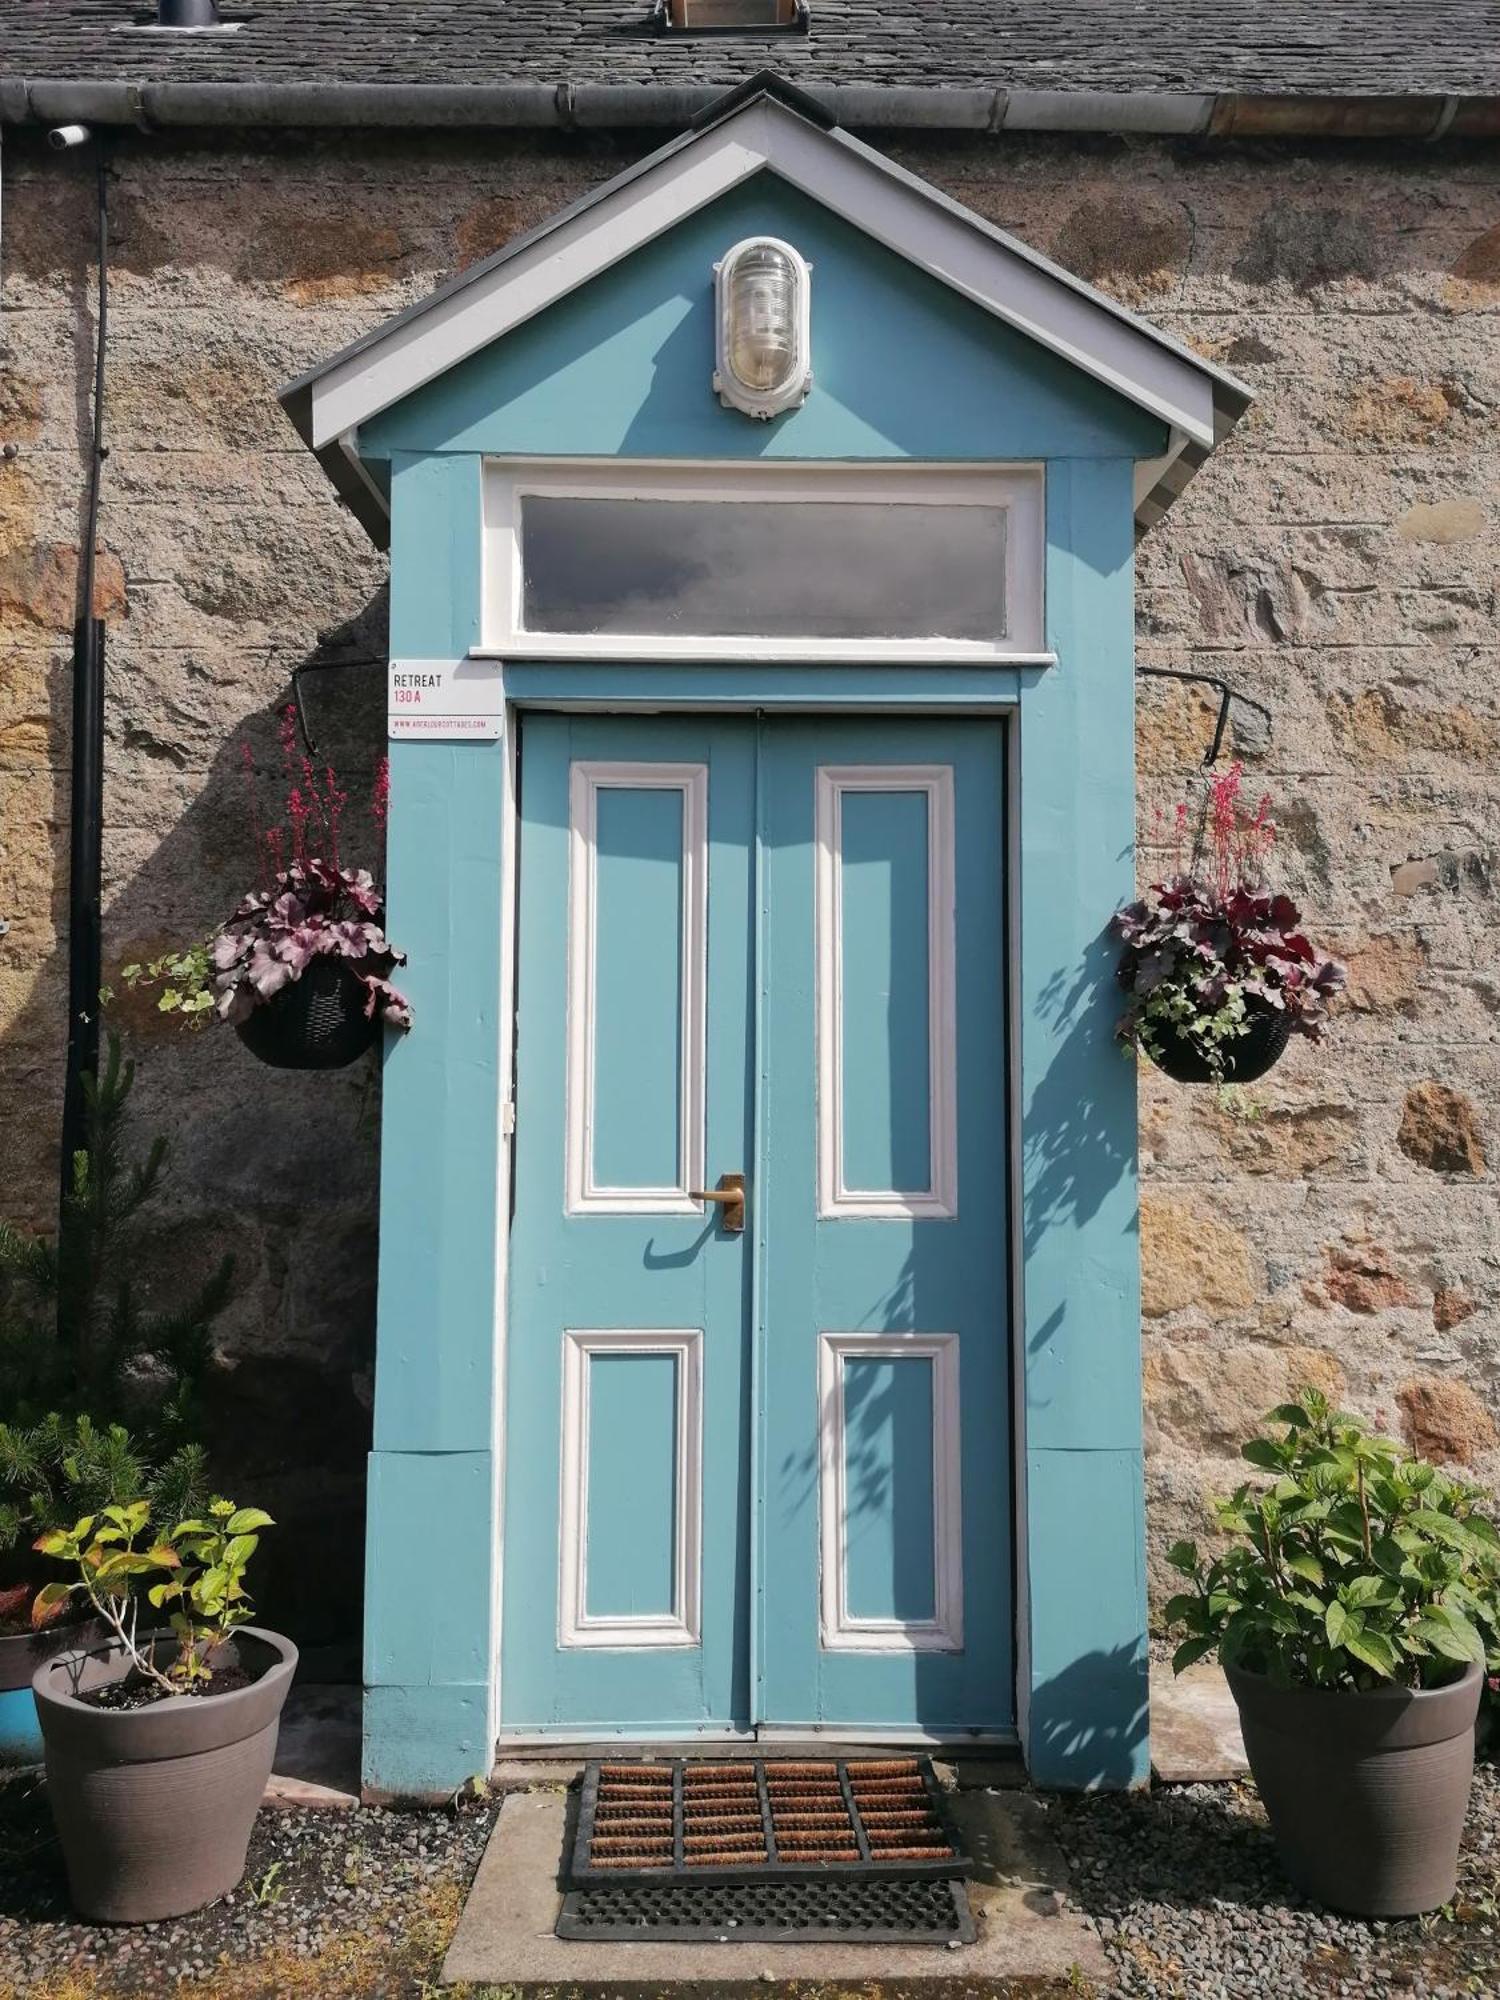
86 815
1227 114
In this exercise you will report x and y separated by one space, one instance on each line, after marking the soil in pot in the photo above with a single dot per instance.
155 1803
1366 1793
317 1022
135 1691
1247 1057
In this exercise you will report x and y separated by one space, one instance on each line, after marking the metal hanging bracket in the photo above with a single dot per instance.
1227 697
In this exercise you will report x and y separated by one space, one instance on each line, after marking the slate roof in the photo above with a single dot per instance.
1297 47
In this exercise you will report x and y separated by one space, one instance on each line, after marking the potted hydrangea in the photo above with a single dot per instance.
159 1742
1218 972
302 968
1356 1613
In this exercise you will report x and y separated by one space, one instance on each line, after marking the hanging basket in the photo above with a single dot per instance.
1247 1057
317 1022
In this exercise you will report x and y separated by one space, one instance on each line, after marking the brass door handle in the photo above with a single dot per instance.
729 1197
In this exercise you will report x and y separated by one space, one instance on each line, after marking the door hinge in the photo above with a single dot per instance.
507 1118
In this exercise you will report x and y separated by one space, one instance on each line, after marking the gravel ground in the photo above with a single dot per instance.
1182 1884
333 1903
1184 1888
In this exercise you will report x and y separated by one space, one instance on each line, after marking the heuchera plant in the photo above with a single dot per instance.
308 905
1204 952
1357 1566
313 909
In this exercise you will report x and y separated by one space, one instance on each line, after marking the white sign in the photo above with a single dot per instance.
458 701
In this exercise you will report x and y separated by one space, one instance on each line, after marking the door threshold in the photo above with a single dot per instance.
567 1744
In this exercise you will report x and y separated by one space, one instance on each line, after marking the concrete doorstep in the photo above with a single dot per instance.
1028 1929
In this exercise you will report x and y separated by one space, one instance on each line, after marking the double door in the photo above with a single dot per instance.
757 1444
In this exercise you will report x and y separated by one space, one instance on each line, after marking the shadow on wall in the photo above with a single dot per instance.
277 1168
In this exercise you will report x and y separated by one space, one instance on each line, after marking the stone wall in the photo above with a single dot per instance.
1337 560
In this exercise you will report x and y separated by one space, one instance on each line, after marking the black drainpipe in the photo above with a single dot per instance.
86 832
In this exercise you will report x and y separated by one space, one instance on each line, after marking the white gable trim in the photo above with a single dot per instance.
897 209
901 212
421 346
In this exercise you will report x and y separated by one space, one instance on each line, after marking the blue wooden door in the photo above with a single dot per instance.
884 1511
758 1478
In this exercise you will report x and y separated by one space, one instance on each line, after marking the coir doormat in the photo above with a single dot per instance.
761 1818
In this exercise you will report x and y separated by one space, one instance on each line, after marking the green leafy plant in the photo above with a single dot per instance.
186 980
1357 1566
268 1891
207 1587
100 1395
61 1466
197 1569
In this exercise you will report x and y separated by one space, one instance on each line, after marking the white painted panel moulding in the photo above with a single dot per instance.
940 1198
587 779
681 1626
839 1631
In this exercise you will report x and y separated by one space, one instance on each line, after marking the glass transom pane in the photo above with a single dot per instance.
743 569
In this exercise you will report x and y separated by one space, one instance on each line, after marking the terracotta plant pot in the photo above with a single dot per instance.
154 1805
1366 1793
318 1022
1247 1057
20 1656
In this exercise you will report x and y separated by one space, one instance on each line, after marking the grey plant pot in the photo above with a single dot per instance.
20 1655
154 1806
1366 1793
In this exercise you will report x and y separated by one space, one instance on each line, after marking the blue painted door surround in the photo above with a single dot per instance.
759 1478
620 370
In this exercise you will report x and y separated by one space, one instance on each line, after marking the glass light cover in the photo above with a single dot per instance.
762 308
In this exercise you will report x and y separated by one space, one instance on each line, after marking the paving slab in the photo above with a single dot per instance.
1195 1727
317 1749
1028 1926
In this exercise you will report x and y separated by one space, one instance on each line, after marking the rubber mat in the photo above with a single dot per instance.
928 1909
764 1818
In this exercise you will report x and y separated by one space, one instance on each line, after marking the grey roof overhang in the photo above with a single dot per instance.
872 104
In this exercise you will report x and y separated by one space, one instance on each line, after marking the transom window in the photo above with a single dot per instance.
647 561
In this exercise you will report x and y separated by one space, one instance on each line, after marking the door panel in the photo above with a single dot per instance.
793 1507
627 1426
885 1445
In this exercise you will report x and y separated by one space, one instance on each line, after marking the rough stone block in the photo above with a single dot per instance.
1440 1129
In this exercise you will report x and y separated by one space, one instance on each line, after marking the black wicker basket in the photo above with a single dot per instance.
317 1022
1247 1057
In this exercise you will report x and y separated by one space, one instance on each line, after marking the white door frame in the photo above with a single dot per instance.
854 699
